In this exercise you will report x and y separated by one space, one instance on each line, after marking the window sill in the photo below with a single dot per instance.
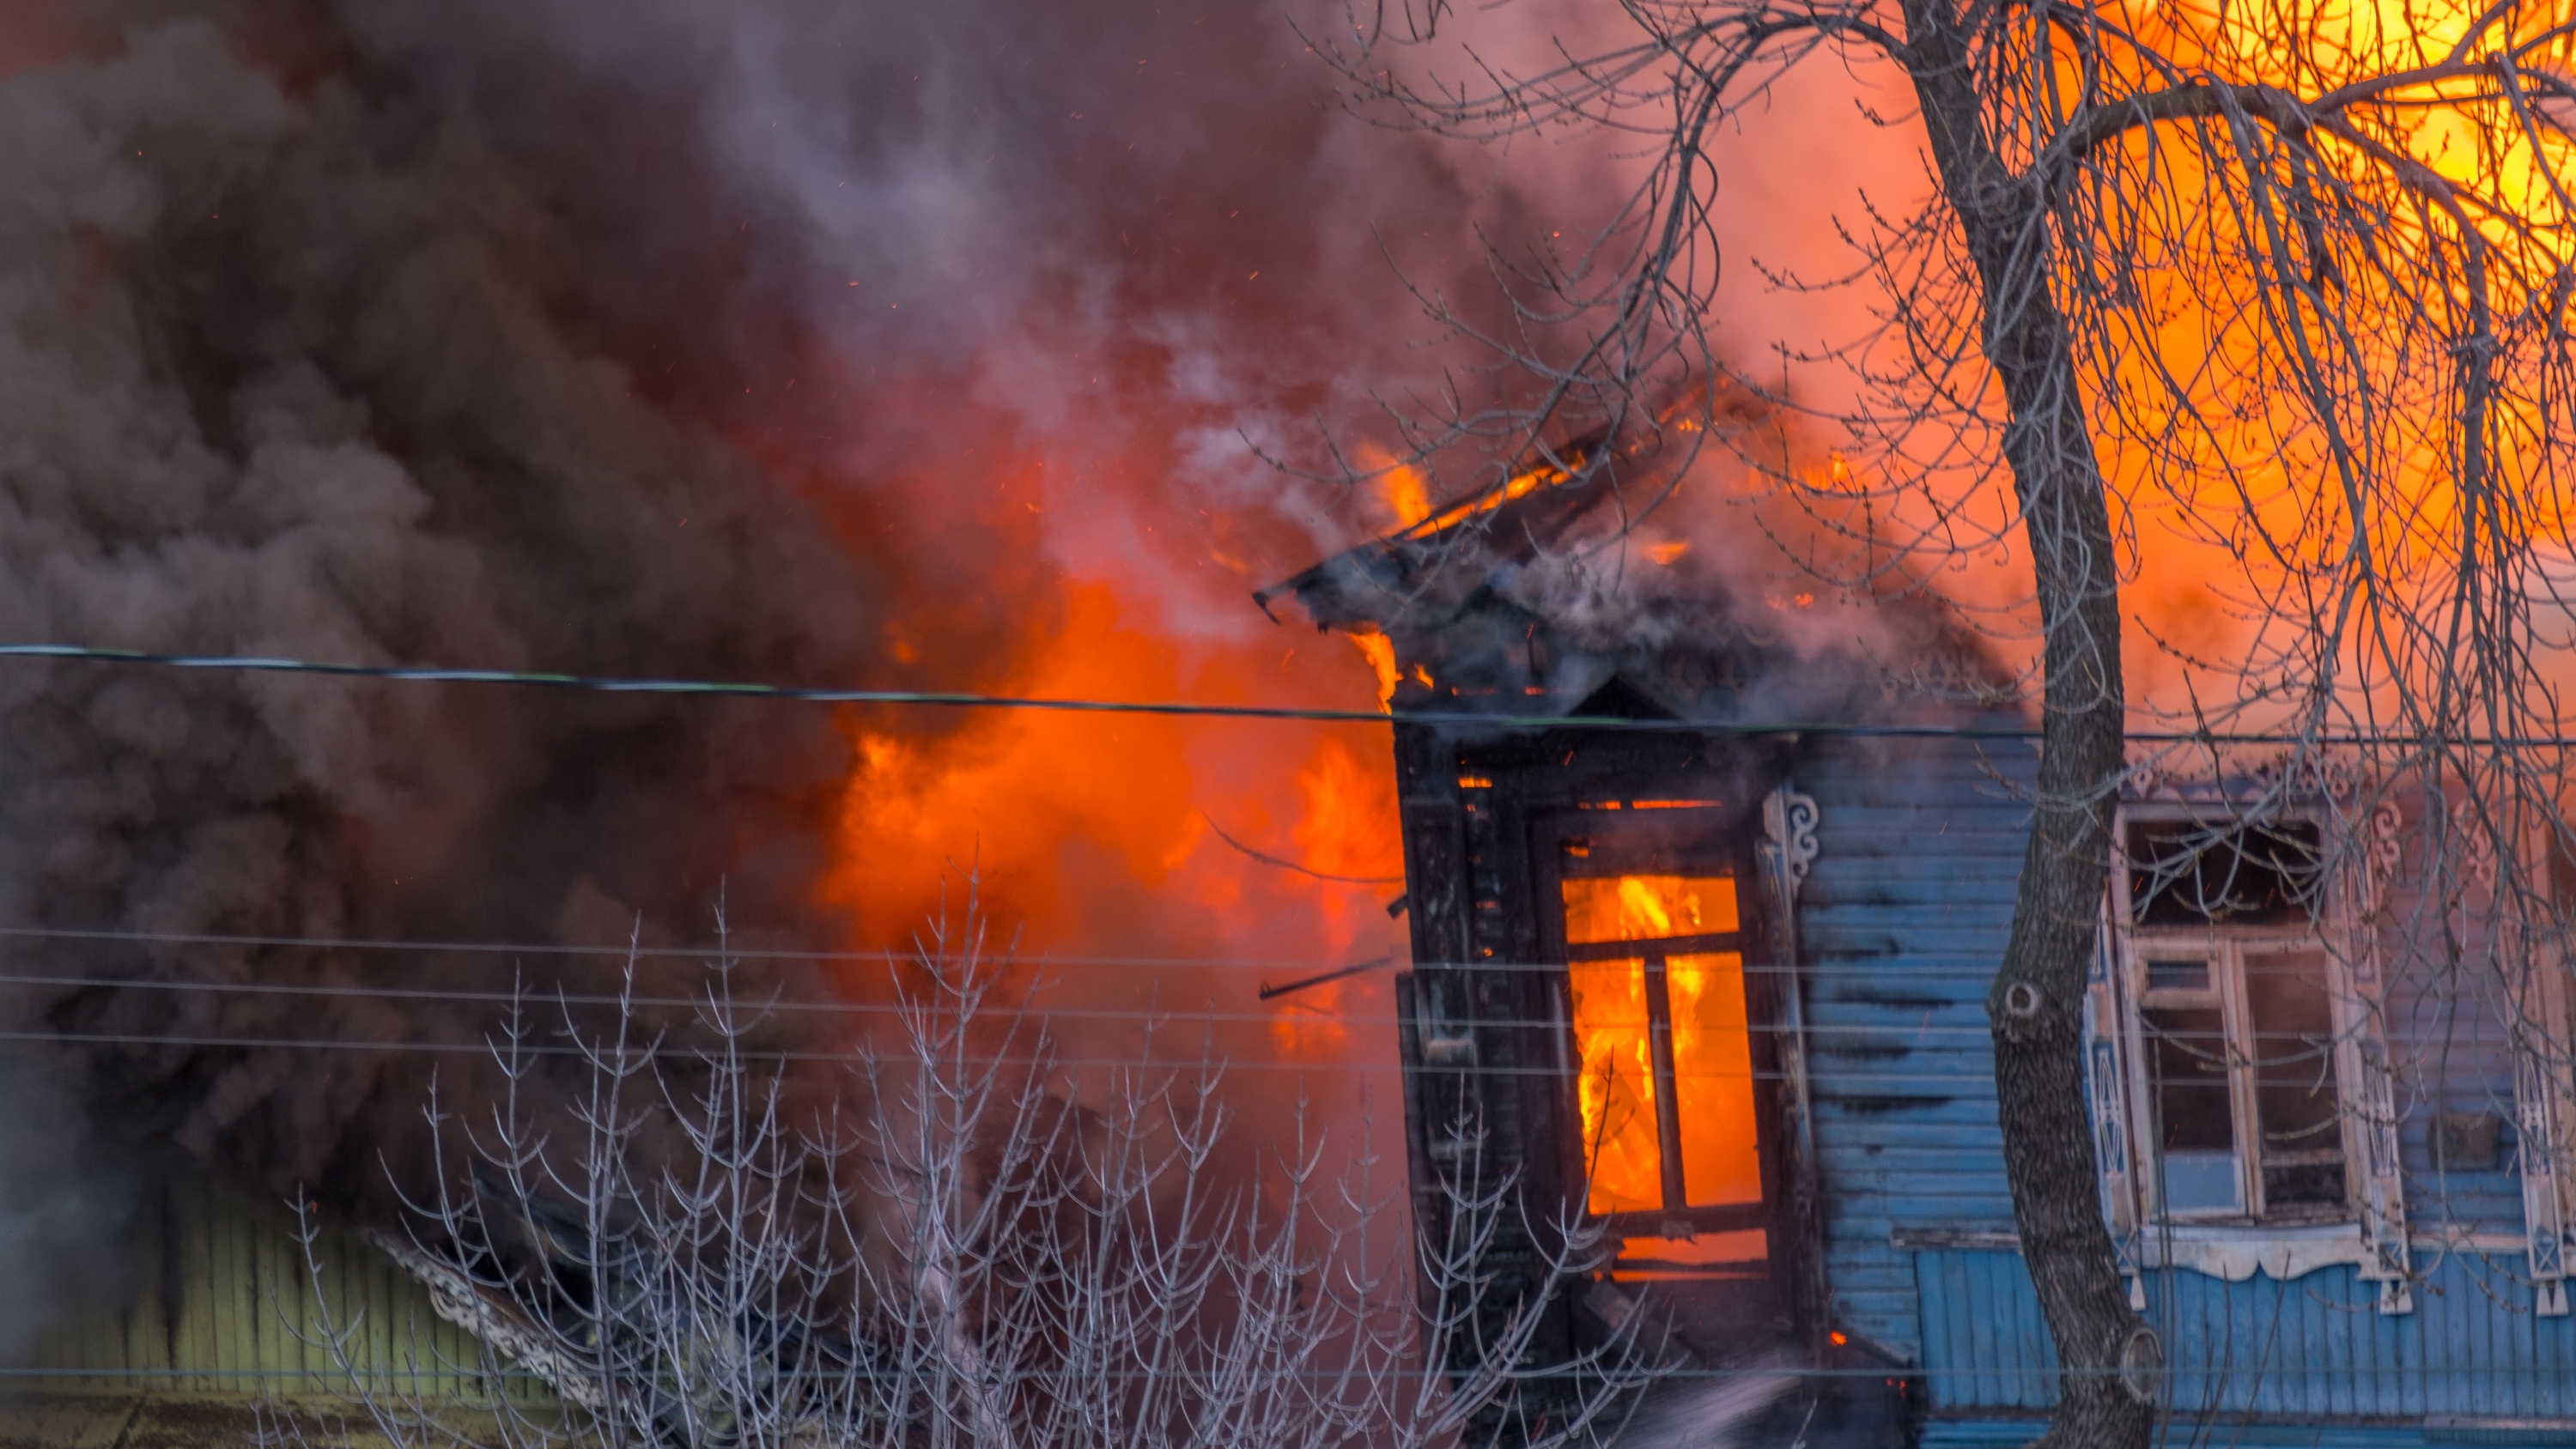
2233 1252
2237 1251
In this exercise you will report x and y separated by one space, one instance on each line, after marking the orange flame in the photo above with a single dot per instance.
1349 829
1403 495
1712 1065
1380 652
1406 496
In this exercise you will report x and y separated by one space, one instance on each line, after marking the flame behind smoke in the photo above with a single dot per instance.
351 335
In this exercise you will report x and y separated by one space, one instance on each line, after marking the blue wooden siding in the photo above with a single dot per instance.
2220 1433
1901 923
2308 1350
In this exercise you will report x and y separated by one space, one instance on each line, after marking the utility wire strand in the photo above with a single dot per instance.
959 700
704 954
898 1056
1040 1013
2197 1372
954 700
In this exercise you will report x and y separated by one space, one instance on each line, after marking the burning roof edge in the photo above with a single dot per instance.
1445 613
1372 583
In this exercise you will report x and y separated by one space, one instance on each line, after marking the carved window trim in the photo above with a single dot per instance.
2121 1098
2542 1040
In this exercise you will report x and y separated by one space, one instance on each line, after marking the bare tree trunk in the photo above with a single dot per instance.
2036 1004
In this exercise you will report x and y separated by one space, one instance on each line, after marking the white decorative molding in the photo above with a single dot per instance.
495 1322
2364 1049
2539 1124
2237 1254
2281 1254
1790 819
2193 777
1788 849
2385 852
2106 1088
2226 1252
2480 848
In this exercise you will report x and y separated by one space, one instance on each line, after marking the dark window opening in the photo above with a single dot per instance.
2239 1049
2296 1101
2187 1049
2184 873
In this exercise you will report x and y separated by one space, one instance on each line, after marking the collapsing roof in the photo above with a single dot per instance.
1544 597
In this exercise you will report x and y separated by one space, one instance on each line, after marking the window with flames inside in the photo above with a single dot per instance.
2241 1024
1665 1078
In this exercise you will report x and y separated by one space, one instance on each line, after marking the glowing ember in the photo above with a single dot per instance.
1457 513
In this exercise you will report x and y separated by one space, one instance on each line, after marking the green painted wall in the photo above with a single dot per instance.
221 1302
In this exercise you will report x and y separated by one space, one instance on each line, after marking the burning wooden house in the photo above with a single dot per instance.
1716 994
1608 875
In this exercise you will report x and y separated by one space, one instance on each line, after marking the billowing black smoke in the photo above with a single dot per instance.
301 364
474 334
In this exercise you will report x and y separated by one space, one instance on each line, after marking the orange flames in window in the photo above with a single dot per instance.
1712 1071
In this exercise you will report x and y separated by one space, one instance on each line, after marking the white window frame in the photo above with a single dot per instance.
2230 955
2546 1025
2541 1126
2370 1230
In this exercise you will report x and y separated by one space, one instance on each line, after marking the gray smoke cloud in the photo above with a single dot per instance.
300 364
588 338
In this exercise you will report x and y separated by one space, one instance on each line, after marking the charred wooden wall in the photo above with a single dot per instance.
1482 1100
1485 1032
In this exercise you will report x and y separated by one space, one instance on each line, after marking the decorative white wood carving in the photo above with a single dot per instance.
1790 819
2106 1087
1789 822
2389 1263
2540 1048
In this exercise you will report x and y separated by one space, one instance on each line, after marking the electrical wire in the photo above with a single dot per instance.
604 684
703 954
961 700
1826 1034
1915 1373
1950 1081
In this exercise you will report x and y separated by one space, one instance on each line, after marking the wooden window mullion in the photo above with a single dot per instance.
1659 1047
2229 958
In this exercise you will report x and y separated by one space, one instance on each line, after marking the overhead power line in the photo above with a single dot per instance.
960 700
1827 1034
1955 1082
947 699
1975 967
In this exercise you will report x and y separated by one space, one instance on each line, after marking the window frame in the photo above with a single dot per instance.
1689 839
2330 933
